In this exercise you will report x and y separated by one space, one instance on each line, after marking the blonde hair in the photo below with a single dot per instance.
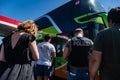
29 26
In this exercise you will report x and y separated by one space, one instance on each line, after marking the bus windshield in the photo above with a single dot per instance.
95 6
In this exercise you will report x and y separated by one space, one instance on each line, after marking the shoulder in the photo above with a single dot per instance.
104 32
40 43
51 44
30 37
73 38
87 39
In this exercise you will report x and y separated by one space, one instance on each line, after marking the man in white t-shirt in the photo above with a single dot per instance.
47 55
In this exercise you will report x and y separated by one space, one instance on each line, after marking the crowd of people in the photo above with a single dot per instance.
86 58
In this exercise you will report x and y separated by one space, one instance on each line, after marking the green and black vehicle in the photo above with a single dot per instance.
60 23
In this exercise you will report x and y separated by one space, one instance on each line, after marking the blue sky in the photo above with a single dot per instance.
22 10
27 9
108 4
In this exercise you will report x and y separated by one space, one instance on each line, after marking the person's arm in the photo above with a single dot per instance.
66 50
94 62
2 54
34 50
65 53
53 57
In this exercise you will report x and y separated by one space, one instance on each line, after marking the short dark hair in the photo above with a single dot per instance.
78 30
47 37
114 15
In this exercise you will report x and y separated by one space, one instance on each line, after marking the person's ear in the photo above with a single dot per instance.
111 23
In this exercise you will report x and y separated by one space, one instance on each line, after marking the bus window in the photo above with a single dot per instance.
92 29
95 6
59 43
43 23
45 27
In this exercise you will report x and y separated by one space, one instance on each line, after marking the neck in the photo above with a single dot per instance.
47 41
79 35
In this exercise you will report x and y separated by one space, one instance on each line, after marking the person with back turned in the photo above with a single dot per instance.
76 53
105 57
17 51
43 70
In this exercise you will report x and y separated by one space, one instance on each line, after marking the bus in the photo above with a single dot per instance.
60 23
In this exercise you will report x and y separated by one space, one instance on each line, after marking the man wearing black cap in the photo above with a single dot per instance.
76 53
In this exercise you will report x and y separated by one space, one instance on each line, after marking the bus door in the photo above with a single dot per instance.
60 64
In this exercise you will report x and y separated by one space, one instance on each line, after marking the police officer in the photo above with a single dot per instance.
76 53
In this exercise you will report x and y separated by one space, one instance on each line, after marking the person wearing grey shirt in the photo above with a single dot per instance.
47 55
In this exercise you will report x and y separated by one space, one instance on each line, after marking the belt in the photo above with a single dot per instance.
82 68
